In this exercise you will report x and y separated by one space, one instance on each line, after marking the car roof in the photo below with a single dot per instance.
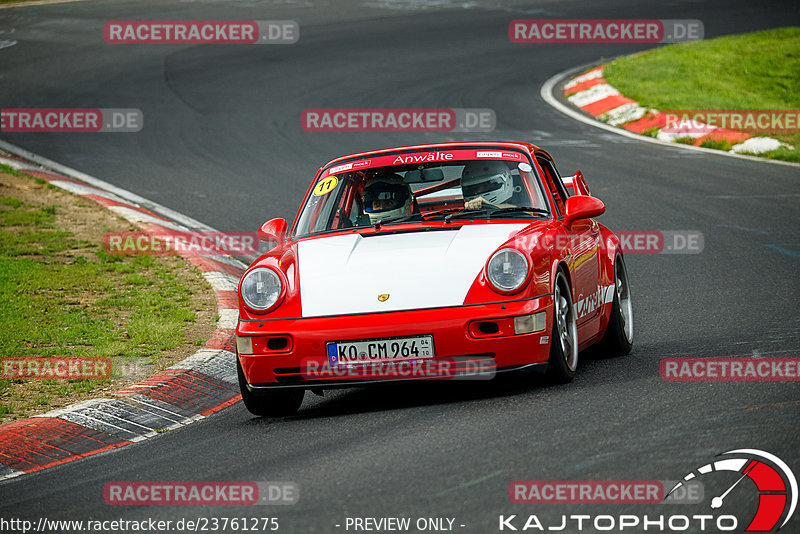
527 147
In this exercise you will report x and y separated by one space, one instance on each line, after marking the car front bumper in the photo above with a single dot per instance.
461 350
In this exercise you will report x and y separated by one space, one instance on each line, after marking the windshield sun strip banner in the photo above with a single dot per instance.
432 156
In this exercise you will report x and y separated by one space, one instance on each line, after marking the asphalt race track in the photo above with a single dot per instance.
222 143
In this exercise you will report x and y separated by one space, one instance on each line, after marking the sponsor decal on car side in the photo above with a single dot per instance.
587 305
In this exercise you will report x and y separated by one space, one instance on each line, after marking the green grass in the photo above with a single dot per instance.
685 140
759 70
10 201
60 296
783 154
47 306
717 144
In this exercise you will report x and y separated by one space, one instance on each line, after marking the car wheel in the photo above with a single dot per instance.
618 339
564 341
275 403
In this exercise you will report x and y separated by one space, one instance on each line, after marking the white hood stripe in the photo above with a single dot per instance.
345 274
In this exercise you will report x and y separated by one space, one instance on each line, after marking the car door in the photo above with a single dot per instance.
581 247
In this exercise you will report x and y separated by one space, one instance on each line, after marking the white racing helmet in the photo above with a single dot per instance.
387 196
488 179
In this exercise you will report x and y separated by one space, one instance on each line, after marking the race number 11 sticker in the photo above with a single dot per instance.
325 186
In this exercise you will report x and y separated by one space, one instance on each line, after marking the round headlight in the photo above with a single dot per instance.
261 289
507 269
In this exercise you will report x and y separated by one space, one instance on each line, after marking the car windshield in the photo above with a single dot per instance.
346 198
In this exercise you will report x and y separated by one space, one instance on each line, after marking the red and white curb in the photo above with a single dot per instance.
613 111
593 94
192 389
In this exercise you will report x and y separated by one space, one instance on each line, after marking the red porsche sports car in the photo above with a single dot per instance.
431 262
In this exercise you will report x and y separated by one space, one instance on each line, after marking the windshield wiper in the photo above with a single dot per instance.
462 213
523 209
441 212
453 212
381 222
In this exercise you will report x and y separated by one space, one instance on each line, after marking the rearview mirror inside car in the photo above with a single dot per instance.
423 176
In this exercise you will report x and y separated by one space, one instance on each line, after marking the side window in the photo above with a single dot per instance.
554 184
357 215
321 210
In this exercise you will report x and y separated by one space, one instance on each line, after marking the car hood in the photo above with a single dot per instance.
346 274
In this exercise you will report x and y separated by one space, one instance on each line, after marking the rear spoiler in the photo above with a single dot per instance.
576 184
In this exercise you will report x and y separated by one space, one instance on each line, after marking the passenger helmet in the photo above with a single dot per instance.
488 179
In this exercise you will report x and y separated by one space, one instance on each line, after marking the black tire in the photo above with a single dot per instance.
618 339
276 403
563 361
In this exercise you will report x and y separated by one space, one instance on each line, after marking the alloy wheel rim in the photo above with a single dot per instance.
567 331
624 300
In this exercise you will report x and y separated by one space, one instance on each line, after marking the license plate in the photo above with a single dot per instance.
380 350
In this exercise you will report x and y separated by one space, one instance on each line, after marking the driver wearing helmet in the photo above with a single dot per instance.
387 196
486 182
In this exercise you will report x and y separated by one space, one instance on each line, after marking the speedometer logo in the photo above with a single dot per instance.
776 485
